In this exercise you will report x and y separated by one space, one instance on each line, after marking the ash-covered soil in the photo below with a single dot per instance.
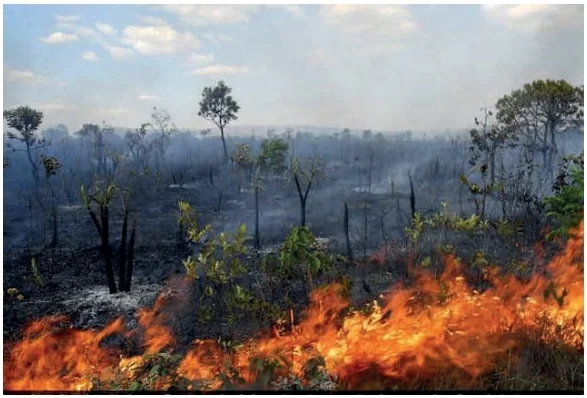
74 281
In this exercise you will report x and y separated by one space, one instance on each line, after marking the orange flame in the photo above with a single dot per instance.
435 328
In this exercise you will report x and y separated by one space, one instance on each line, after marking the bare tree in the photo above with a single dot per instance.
306 178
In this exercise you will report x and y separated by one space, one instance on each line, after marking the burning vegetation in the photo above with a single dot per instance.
435 333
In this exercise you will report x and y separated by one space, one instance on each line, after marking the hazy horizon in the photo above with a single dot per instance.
383 67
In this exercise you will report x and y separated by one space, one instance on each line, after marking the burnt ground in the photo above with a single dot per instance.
75 283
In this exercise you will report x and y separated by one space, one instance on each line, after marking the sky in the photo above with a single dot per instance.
381 67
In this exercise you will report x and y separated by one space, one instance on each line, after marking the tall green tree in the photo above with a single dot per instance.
218 106
26 121
539 111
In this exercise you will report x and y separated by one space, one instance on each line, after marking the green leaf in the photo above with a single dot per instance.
135 386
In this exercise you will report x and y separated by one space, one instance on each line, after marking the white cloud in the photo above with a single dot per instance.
200 15
81 32
200 59
84 31
23 77
531 18
158 40
118 52
373 29
147 97
105 28
66 18
59 38
220 70
90 56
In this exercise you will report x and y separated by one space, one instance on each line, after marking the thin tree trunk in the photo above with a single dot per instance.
33 164
130 259
366 229
412 197
302 199
54 236
370 174
257 236
122 255
224 145
106 250
346 232
492 167
219 201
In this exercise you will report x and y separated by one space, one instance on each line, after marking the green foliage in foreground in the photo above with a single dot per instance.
299 252
566 206
220 262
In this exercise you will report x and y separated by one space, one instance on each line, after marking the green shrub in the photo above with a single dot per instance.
299 252
566 206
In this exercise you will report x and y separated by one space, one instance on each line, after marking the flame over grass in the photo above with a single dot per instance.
435 329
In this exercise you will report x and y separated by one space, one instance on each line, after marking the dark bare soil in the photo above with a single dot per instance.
75 283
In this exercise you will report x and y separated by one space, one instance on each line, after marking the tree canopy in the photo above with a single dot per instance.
26 121
540 110
218 106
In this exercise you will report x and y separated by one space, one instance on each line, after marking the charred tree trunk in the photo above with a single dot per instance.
53 217
102 227
106 249
370 173
130 260
54 241
219 207
257 236
412 197
303 199
366 228
211 176
122 255
492 166
349 251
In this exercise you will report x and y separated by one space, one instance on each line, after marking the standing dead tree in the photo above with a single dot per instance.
163 127
51 165
349 250
306 178
102 198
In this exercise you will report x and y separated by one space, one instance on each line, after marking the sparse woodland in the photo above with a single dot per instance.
263 260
